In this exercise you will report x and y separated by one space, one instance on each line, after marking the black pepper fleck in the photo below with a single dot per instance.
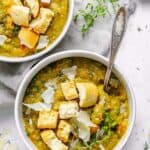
139 29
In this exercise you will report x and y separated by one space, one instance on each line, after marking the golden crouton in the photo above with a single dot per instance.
88 94
68 110
69 90
28 37
63 131
48 135
42 22
52 141
47 119
34 6
20 15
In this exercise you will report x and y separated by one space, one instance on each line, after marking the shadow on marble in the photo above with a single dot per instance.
144 2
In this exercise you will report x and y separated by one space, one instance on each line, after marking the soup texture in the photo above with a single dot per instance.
66 108
29 26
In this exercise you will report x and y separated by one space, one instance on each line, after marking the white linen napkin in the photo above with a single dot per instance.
97 39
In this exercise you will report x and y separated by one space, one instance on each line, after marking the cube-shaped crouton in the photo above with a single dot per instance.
52 141
69 90
20 15
88 94
34 6
47 119
28 37
42 22
68 110
63 131
48 135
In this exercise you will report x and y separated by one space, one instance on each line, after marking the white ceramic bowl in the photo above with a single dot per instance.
58 56
50 47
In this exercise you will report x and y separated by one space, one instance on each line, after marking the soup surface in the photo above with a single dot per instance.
65 106
27 27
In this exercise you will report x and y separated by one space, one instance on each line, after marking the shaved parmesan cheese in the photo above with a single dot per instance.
51 83
84 123
43 42
34 7
30 121
84 132
70 72
38 106
48 95
122 109
83 117
3 38
46 2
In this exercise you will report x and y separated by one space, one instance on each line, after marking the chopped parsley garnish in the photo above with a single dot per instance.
107 128
16 29
93 10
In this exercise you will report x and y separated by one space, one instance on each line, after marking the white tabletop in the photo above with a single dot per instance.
134 59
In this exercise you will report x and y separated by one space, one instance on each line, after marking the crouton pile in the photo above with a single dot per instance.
34 17
54 124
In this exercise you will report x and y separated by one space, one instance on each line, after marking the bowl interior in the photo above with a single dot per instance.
61 55
50 47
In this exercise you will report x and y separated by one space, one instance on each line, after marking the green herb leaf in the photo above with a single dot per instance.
93 10
108 126
146 146
16 29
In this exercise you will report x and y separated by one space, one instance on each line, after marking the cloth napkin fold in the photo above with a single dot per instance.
97 40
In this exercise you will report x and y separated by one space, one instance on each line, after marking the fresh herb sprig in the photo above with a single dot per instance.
93 10
107 127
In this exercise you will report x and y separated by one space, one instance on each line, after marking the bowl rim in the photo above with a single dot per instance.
66 54
50 47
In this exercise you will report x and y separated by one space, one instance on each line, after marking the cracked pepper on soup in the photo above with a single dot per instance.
29 26
66 108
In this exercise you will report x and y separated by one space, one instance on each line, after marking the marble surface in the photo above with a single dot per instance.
134 60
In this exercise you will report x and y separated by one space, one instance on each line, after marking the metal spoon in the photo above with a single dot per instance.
118 31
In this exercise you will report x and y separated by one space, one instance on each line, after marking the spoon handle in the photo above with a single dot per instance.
117 35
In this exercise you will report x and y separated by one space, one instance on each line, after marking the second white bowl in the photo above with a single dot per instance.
56 57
